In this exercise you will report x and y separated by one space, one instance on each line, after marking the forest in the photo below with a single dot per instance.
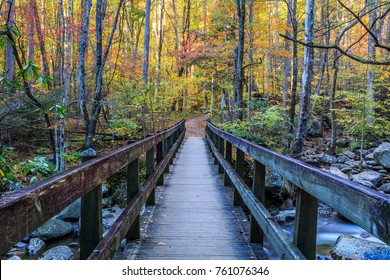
307 79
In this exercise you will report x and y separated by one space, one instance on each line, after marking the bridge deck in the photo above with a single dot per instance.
193 217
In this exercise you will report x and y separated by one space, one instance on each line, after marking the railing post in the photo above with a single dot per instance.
216 144
171 142
166 150
90 219
240 156
305 229
221 149
258 188
159 158
132 190
226 179
149 165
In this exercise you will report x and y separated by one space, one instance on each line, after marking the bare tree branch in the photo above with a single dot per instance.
358 59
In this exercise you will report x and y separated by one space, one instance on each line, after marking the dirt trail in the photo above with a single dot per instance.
196 126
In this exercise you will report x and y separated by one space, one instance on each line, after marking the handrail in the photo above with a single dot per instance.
24 211
365 207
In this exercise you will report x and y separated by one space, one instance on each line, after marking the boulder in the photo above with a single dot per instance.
368 175
89 152
364 183
353 164
287 205
21 245
58 253
348 247
71 213
382 155
15 258
349 154
342 142
34 246
315 128
342 159
369 156
273 179
338 172
285 216
385 188
53 229
324 158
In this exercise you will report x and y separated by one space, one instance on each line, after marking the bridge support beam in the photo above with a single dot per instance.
132 191
91 219
258 188
149 165
305 230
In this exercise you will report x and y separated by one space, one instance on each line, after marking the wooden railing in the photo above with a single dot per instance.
24 211
365 207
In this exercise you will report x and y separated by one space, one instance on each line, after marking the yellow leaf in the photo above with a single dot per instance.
1 173
15 167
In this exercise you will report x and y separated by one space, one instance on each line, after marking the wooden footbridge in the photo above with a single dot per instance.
197 213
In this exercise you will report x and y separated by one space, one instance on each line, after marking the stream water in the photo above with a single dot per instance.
329 228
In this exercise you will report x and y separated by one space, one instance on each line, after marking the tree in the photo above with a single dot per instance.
307 75
238 61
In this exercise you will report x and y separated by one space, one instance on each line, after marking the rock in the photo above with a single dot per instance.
285 216
315 128
371 162
342 142
15 258
324 158
34 246
369 157
53 229
88 152
364 183
383 171
338 172
382 155
273 179
73 245
58 253
349 154
123 243
71 213
33 180
353 164
342 159
385 188
287 205
21 245
105 191
364 152
369 175
348 247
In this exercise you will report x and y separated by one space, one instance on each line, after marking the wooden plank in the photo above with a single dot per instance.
305 230
275 234
149 166
240 156
258 188
91 219
197 220
112 240
365 207
132 191
27 209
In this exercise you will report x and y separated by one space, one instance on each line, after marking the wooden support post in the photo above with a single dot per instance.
149 165
159 158
305 230
216 144
240 156
221 149
226 179
91 219
166 150
132 191
258 188
171 142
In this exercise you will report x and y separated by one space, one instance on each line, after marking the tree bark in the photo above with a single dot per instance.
294 81
238 61
307 75
9 57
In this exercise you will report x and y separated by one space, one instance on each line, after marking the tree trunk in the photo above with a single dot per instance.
287 64
332 147
160 33
252 87
307 75
294 82
238 61
9 57
30 34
